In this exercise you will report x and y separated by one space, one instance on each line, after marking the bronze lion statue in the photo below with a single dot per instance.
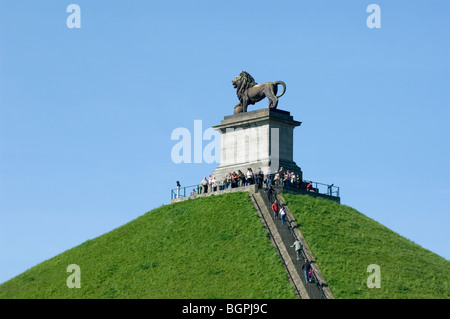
249 92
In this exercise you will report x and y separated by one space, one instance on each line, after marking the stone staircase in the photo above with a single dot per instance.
283 236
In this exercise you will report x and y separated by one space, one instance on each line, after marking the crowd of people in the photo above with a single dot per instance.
238 179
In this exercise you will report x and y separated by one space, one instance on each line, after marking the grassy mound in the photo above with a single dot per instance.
214 247
345 242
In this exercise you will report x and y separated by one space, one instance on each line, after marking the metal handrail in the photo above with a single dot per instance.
332 190
181 192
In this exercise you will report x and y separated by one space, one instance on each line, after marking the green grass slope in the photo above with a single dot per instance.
345 242
214 247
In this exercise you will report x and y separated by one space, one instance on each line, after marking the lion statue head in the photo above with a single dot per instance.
242 82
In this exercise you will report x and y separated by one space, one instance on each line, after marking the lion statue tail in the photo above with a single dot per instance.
284 88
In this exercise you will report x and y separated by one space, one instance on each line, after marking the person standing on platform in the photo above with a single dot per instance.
269 177
204 184
214 184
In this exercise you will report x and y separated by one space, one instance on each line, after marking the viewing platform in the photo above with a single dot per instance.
325 191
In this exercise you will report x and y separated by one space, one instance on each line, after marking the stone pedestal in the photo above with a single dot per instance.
256 139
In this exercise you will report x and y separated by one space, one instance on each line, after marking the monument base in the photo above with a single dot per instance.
261 139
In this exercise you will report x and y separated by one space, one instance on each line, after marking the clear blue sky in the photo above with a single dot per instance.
86 115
